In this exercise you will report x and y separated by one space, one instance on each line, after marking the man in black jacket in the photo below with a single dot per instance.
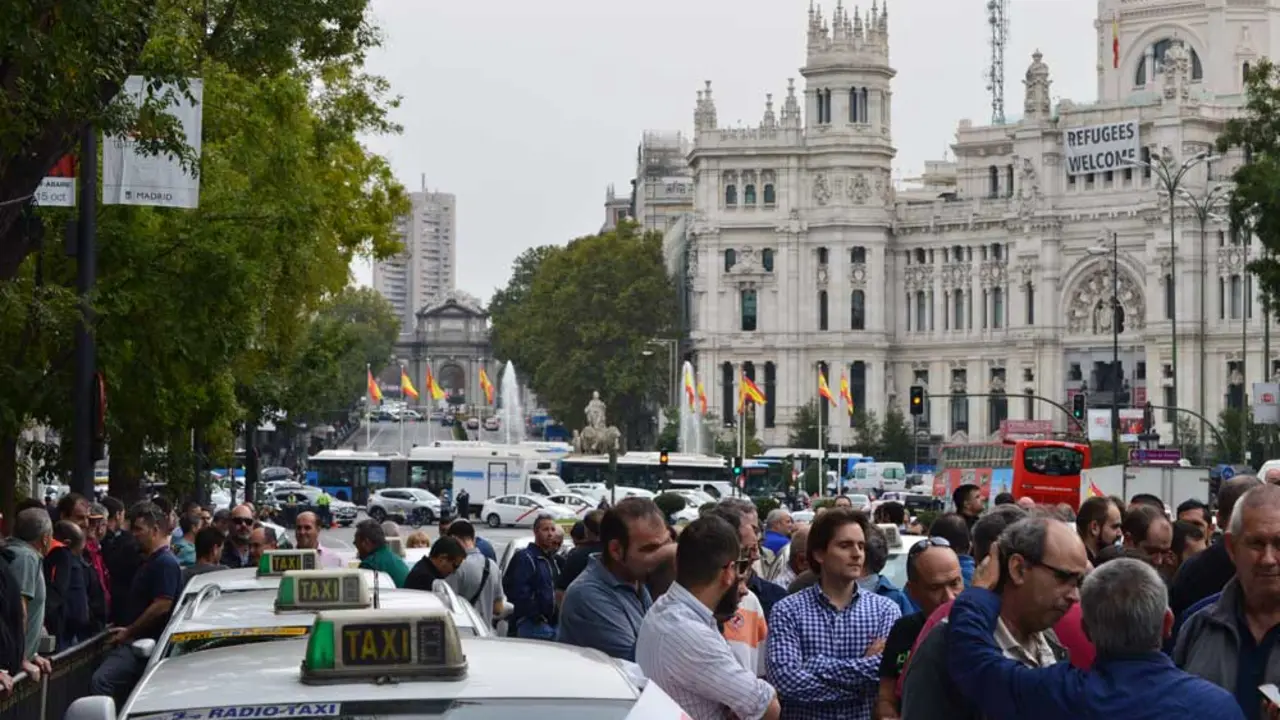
1208 572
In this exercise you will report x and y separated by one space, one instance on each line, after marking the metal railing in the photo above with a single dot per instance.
49 697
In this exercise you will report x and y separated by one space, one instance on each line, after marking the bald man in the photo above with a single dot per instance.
236 551
797 559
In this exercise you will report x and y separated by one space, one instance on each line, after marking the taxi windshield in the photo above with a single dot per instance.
425 709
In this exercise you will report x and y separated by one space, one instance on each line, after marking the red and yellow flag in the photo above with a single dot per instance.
845 394
484 385
1095 491
747 390
375 392
406 385
824 390
1115 40
702 398
689 384
434 391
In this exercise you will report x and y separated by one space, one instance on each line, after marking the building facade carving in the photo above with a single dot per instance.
989 261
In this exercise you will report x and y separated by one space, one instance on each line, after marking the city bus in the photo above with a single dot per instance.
1047 471
644 470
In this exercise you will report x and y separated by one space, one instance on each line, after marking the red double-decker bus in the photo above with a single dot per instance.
1047 471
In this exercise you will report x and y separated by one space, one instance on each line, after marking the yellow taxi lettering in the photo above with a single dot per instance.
284 563
377 644
318 589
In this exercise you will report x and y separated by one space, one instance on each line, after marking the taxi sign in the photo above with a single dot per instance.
278 562
397 545
353 563
323 590
376 644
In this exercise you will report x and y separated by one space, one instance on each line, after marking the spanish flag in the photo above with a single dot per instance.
689 386
702 398
1115 40
433 388
1095 491
375 392
845 394
406 385
823 390
747 390
484 385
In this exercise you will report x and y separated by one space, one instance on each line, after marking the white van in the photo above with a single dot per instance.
880 476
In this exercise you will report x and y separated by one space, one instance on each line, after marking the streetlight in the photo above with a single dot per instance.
1170 176
1114 251
673 393
1204 206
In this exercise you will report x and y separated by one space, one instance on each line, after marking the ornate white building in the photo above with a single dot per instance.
802 253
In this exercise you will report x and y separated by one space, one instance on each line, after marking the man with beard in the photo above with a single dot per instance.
604 607
679 647
236 553
1098 524
826 641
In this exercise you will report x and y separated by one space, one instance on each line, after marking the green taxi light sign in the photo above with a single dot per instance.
323 590
279 562
374 645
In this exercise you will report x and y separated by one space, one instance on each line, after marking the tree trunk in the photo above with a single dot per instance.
125 470
8 477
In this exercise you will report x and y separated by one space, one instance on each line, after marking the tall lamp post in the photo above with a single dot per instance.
1170 174
673 388
1204 206
1117 381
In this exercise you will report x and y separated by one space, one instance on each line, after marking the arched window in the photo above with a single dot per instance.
997 308
730 259
770 198
822 309
749 195
858 311
748 314
770 394
827 103
822 256
730 194
853 105
958 309
993 181
727 395
862 106
1156 51
766 259
920 256
922 311
997 410
858 255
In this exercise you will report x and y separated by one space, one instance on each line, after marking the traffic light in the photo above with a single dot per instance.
917 399
1077 406
663 458
737 466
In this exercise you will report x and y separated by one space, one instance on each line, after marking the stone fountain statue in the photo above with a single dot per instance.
596 438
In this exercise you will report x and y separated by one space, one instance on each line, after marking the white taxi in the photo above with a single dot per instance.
385 664
262 616
577 503
522 511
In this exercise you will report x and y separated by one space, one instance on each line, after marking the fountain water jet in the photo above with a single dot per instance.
509 410
690 440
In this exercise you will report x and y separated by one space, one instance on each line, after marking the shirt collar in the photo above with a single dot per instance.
1036 653
820 597
679 594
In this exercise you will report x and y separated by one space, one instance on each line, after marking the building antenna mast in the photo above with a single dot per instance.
998 19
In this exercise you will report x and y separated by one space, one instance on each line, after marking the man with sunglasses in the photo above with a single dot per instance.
236 551
933 578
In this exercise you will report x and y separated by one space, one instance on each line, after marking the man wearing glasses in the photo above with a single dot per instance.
237 551
933 578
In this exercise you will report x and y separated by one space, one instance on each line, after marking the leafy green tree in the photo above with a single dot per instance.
505 332
804 427
868 432
63 62
897 441
669 438
1255 199
726 443
591 311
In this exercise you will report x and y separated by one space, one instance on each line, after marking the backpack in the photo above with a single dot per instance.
12 627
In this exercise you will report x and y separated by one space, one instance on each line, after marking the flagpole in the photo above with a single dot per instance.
368 406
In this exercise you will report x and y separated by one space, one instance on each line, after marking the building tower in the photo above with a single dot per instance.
847 78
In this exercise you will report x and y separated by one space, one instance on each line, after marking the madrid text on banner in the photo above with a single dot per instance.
132 178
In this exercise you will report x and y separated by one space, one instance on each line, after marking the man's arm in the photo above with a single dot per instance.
814 679
1001 687
154 614
709 670
597 619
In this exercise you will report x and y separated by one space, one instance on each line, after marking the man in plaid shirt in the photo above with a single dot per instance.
825 642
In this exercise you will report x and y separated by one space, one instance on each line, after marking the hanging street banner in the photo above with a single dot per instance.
1266 403
58 189
132 178
1101 148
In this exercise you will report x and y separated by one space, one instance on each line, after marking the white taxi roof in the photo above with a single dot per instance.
497 668
244 579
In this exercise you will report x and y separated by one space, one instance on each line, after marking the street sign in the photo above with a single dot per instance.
1228 473
1139 456
1266 403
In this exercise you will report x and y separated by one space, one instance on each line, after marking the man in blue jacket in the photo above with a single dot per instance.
530 583
1126 615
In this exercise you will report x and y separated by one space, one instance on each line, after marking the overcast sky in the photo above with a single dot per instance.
528 110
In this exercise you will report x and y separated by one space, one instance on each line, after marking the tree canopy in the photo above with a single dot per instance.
63 63
583 318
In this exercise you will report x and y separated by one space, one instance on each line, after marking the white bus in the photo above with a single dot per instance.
644 470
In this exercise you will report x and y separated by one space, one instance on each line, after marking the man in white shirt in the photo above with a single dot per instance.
679 646
306 535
